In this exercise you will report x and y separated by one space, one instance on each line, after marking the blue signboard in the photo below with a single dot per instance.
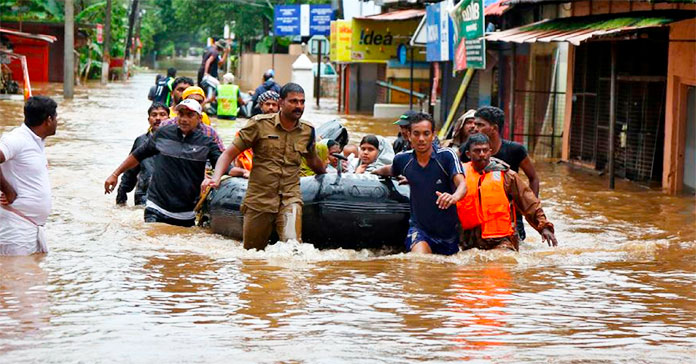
304 20
439 33
320 17
286 20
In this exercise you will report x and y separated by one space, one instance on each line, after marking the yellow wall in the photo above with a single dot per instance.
377 41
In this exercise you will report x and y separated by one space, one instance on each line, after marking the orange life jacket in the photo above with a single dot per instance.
485 204
245 158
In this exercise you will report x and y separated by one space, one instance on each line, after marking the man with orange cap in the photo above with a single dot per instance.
485 212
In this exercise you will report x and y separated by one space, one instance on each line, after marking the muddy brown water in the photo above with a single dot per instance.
621 286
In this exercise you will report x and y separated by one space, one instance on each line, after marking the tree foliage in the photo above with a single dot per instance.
185 23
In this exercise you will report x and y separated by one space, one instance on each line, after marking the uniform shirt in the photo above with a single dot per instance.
26 170
512 153
437 175
275 178
179 167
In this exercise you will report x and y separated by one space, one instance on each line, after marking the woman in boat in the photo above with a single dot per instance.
375 152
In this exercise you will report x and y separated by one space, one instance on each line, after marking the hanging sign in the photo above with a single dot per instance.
469 26
439 33
340 40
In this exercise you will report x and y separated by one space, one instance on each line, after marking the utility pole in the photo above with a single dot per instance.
612 117
68 55
131 24
106 51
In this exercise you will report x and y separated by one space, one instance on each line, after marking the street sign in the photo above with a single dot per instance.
304 20
320 17
314 44
439 33
286 20
469 27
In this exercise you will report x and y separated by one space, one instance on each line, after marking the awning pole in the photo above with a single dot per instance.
612 115
410 95
513 73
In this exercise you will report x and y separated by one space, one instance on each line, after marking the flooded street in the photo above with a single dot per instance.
621 286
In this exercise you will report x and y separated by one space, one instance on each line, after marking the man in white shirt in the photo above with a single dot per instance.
25 191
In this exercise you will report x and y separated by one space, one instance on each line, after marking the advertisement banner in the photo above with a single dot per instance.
378 41
439 33
340 40
469 27
304 20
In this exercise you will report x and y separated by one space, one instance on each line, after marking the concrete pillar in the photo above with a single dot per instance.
68 55
303 75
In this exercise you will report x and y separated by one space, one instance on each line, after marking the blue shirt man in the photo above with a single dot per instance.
437 182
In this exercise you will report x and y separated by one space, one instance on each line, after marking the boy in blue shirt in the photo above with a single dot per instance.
437 182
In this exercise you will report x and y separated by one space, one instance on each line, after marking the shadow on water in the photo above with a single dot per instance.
619 287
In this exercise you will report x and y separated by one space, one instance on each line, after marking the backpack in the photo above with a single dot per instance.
161 91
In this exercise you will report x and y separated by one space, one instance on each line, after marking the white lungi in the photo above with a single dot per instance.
18 236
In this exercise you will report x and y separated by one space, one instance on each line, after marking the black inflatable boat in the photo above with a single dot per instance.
340 211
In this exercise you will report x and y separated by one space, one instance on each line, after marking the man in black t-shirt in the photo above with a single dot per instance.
490 120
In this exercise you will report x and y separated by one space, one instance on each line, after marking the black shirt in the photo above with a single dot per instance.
180 167
211 52
400 144
137 177
512 153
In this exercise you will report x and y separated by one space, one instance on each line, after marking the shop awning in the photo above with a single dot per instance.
16 33
407 14
496 9
576 30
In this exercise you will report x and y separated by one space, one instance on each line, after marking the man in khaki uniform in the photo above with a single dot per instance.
279 142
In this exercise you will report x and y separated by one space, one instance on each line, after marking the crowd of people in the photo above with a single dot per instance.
464 191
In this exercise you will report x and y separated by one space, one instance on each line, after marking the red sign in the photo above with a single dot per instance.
100 33
460 56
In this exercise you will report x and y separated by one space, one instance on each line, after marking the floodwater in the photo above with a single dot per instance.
620 287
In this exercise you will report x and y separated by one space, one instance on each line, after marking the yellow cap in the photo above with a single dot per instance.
193 90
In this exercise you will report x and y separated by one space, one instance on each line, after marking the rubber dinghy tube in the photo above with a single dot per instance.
350 211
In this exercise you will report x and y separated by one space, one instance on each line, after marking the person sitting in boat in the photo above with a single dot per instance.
323 153
375 152
334 148
494 192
